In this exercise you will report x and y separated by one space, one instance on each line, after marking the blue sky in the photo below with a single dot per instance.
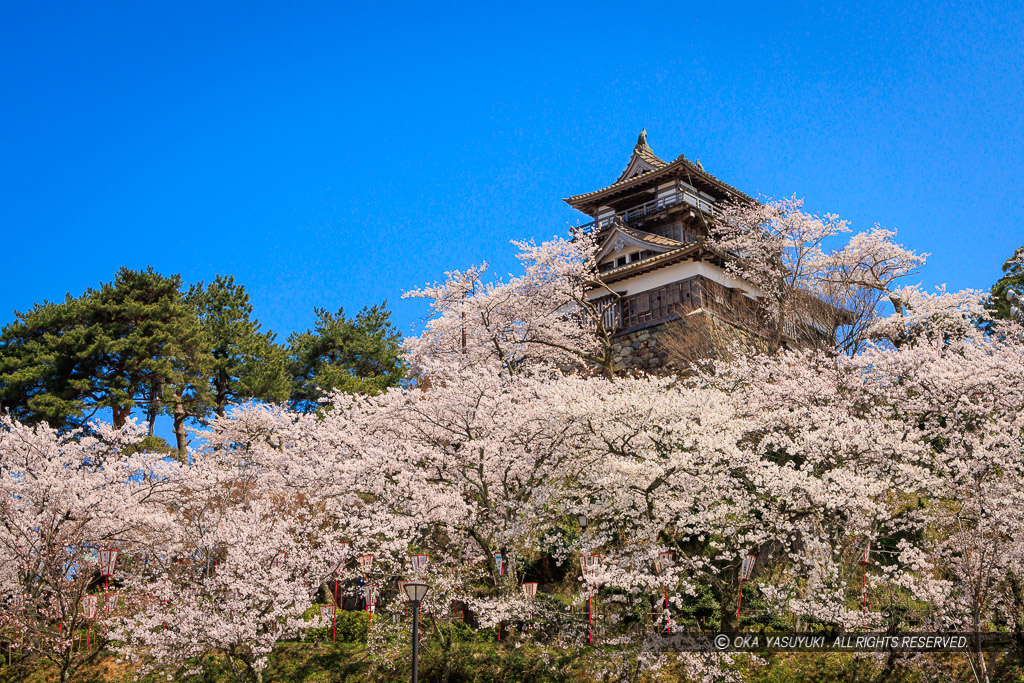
336 155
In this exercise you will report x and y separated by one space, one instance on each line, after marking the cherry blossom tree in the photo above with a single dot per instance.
62 499
548 314
264 516
803 283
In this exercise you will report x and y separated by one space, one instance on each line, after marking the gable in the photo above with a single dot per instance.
621 240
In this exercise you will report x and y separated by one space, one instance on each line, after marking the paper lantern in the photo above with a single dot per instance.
107 559
89 603
747 570
865 556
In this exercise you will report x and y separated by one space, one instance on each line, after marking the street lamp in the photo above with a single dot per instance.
1016 301
582 518
415 591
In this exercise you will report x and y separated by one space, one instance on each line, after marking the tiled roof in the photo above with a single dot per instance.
650 237
659 167
684 250
643 158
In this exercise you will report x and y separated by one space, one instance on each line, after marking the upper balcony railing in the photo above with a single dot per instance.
680 195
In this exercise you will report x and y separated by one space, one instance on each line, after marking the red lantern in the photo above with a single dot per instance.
366 563
865 556
109 604
326 611
530 590
419 564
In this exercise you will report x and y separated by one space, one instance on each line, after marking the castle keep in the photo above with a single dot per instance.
651 225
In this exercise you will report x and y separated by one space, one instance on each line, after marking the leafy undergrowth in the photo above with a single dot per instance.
489 663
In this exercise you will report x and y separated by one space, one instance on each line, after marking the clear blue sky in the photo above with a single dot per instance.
335 155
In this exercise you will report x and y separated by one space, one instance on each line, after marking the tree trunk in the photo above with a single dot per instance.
222 392
179 426
155 404
120 416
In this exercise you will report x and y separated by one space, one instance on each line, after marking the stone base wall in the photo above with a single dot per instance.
638 351
670 347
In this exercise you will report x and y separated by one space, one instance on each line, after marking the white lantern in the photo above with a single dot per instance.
747 570
107 559
371 595
366 562
109 604
499 562
865 556
530 590
89 603
419 564
589 565
327 611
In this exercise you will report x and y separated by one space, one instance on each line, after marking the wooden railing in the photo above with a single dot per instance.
676 300
679 195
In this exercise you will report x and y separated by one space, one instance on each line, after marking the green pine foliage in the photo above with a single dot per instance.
140 345
246 363
119 347
1013 278
354 355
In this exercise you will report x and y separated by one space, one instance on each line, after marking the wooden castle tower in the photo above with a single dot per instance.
651 225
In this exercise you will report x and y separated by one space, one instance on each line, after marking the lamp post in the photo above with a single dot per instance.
582 519
415 591
1016 301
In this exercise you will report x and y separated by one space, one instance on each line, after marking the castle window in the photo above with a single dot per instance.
635 256
621 261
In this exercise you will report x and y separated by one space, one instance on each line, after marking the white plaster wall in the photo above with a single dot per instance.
676 272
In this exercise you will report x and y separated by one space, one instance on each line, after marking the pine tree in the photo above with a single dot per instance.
246 363
1013 278
131 343
359 355
45 376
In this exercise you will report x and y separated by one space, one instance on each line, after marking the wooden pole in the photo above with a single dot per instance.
739 604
